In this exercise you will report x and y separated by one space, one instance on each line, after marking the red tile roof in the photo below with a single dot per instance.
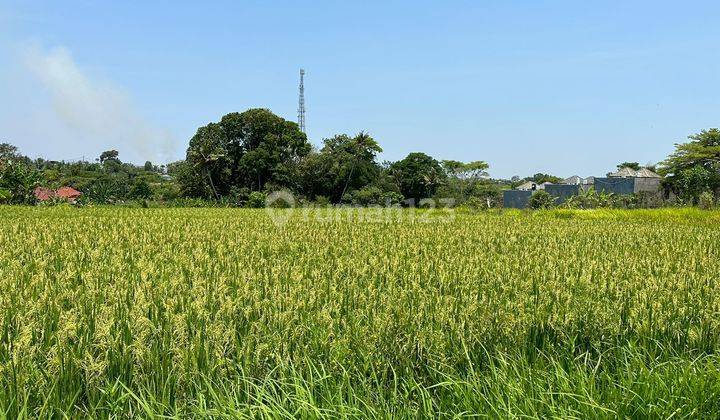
68 193
42 193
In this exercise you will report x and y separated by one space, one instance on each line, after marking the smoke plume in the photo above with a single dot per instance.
97 110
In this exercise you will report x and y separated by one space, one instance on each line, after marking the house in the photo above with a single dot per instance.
622 173
519 197
573 180
646 173
526 186
587 183
584 183
631 173
68 194
629 181
43 194
625 181
531 186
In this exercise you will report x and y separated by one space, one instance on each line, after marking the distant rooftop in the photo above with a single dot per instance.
577 180
631 173
66 193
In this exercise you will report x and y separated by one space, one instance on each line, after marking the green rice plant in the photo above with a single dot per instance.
113 312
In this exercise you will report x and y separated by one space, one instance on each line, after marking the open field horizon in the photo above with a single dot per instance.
221 313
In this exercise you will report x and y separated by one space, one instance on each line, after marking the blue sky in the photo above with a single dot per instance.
562 87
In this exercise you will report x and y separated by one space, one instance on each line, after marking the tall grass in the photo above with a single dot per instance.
219 313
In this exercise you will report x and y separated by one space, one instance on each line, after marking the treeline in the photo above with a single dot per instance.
244 156
257 151
105 181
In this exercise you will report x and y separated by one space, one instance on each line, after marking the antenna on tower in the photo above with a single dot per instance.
301 102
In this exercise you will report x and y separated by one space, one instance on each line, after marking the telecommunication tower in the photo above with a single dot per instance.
301 102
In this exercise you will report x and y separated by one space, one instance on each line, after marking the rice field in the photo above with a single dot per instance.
223 313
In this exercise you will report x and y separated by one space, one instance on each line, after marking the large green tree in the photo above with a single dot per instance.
189 183
694 166
8 151
693 181
18 179
540 178
108 155
343 164
463 176
209 161
418 176
247 150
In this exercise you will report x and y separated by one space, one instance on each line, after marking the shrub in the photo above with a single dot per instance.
649 200
167 191
256 200
141 190
321 201
367 196
283 199
589 199
706 201
391 198
623 201
541 200
5 195
475 203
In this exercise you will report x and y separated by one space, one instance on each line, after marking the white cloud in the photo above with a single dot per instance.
96 110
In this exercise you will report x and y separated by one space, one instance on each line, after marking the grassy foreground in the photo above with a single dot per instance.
111 312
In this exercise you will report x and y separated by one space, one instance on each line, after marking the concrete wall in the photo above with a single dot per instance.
561 192
516 199
649 185
619 186
627 186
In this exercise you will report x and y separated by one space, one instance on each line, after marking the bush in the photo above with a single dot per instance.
475 203
490 194
141 190
541 200
238 195
5 195
321 201
283 199
623 201
706 201
592 199
649 200
367 196
166 191
107 190
391 198
256 200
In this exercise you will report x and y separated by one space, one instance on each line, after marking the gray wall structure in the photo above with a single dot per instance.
519 199
516 199
561 192
627 186
648 185
618 186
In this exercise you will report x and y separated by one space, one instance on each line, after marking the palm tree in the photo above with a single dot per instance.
361 144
